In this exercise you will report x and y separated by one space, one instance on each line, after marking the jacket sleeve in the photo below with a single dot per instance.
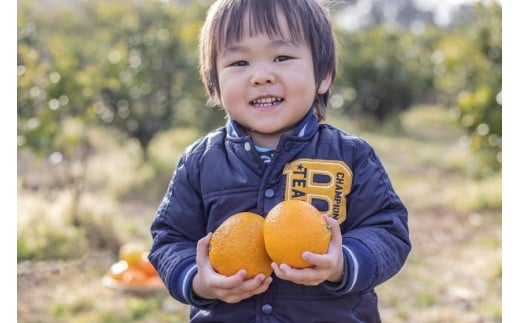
376 240
178 225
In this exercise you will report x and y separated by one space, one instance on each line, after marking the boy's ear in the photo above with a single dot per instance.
325 84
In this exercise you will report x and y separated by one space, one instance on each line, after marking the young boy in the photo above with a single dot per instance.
270 64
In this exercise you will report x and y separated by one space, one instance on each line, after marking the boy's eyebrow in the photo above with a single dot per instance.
275 43
281 42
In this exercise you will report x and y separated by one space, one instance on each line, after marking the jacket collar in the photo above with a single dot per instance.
306 127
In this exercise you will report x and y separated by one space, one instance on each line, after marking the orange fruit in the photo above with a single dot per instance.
133 276
238 243
131 252
145 265
154 281
117 270
292 227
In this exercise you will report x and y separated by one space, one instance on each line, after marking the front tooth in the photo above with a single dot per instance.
267 100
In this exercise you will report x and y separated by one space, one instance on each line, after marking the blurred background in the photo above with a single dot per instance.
109 95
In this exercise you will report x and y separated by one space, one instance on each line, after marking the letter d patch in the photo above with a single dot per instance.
323 183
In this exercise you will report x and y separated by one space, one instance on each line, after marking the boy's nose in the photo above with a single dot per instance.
262 76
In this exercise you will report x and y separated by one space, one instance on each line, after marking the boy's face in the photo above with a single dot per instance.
267 84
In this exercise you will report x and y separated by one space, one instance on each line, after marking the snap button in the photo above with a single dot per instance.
269 193
288 146
247 146
267 309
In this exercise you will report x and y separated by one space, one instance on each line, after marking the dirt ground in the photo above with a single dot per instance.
451 276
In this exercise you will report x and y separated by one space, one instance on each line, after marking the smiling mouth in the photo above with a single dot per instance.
265 102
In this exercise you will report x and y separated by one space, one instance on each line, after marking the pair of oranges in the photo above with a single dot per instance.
248 241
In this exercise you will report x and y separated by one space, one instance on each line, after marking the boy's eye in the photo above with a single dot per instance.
239 63
282 58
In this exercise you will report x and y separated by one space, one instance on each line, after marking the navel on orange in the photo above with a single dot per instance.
292 227
238 243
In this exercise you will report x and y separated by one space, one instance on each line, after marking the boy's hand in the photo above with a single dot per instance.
209 284
328 266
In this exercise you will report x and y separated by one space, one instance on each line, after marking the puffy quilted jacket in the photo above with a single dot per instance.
222 174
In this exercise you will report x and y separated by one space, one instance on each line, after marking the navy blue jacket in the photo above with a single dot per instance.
222 174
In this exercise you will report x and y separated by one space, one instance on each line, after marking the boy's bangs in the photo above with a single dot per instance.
250 18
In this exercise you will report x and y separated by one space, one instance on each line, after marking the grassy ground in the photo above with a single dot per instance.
453 273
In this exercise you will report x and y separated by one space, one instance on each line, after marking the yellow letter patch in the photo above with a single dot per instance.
326 182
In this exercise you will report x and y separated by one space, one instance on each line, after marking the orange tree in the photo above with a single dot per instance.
468 77
381 72
126 65
57 85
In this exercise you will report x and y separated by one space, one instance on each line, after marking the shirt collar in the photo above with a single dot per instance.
306 127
